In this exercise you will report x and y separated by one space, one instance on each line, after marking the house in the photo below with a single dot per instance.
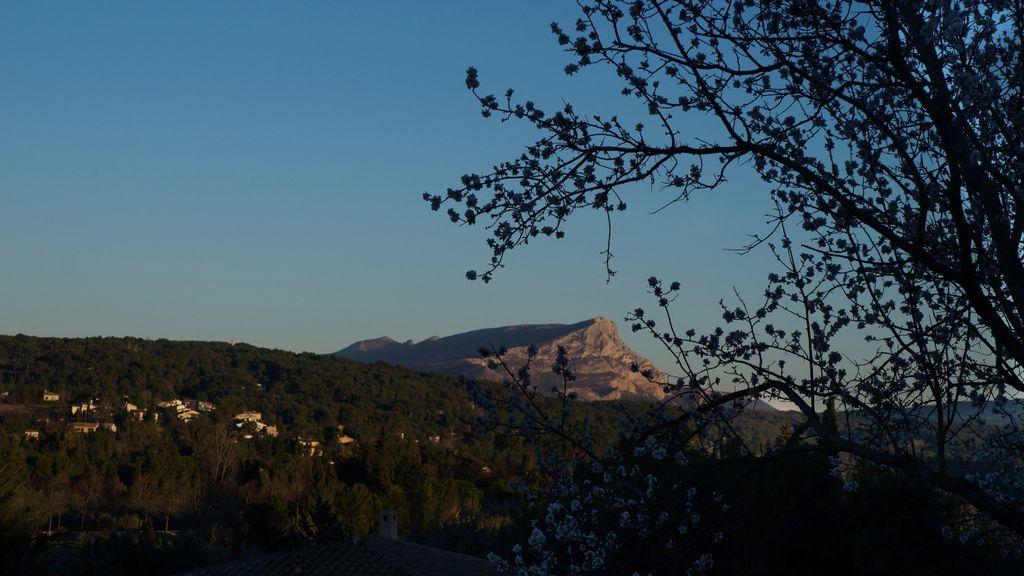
249 416
83 408
311 447
169 403
248 424
345 439
50 396
129 407
84 427
138 415
203 406
32 434
266 429
187 414
109 427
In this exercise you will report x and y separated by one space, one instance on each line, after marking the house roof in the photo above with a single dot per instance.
370 556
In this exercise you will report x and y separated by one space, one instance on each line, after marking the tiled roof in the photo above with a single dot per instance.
369 556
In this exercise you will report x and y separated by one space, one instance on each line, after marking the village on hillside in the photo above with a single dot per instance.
55 415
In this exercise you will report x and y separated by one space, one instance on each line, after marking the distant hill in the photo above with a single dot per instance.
601 360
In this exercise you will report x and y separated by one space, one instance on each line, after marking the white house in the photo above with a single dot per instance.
249 416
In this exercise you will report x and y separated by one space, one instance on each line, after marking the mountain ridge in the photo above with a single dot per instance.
600 359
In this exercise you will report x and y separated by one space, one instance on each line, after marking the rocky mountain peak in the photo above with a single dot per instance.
376 344
601 360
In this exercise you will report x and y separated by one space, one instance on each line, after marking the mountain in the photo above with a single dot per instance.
601 360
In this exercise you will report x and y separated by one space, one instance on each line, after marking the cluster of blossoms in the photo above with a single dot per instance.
633 505
841 469
616 513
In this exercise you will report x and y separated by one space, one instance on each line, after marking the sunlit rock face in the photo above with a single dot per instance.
598 356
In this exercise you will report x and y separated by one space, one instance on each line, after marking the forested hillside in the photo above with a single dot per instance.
253 450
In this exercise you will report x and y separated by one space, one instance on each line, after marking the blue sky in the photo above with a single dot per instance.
252 171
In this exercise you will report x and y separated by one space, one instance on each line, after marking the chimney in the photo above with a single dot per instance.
388 524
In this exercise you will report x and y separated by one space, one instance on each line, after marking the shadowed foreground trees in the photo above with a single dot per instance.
888 137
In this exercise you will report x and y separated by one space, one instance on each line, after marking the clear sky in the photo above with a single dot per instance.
252 171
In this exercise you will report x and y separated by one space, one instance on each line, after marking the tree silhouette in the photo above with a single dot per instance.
889 139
